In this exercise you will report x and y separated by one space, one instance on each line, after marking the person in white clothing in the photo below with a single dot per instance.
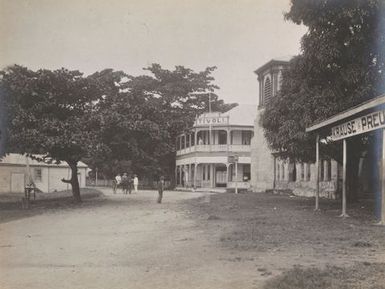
136 183
118 179
116 183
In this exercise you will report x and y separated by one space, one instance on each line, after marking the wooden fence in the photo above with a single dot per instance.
144 184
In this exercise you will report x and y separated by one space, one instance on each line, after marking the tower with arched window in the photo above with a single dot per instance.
262 159
269 77
268 170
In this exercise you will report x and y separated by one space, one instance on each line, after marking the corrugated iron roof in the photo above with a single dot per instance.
18 159
284 60
242 115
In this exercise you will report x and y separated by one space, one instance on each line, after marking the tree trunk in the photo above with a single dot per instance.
74 181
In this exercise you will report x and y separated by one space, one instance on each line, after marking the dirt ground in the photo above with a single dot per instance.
191 240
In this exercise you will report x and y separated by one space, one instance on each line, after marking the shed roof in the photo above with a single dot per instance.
19 159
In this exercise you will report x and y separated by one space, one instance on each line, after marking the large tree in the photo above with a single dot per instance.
51 116
341 64
111 120
142 115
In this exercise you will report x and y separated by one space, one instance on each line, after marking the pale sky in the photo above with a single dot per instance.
237 36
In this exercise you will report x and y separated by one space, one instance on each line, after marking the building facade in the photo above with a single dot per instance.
202 156
268 170
15 169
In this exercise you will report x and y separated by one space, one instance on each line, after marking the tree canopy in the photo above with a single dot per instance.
142 115
341 64
113 121
51 116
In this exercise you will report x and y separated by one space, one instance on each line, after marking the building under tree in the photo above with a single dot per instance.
205 153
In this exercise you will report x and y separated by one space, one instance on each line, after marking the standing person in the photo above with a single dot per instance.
130 184
125 184
136 183
117 181
160 189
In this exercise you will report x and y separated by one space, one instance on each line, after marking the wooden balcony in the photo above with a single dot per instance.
215 148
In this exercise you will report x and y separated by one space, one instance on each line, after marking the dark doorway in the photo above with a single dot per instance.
220 176
222 137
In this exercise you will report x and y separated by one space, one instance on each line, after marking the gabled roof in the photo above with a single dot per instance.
18 159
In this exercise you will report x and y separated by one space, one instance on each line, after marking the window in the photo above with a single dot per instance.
204 172
283 171
192 172
308 173
292 172
178 175
192 139
177 143
208 172
267 90
222 137
278 171
246 137
187 136
37 175
302 171
203 138
246 172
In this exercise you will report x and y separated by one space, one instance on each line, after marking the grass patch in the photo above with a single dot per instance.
363 276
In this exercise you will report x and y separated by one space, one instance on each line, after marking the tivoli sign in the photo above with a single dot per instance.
359 125
212 120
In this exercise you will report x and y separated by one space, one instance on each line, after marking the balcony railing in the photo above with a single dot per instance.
214 148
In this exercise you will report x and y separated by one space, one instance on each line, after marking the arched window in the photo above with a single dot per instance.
278 172
267 90
283 171
292 172
308 172
302 171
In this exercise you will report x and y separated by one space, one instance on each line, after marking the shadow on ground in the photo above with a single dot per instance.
11 205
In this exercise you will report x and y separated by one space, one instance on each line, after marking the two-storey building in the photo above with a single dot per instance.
202 157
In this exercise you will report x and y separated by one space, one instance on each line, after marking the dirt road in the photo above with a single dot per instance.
119 241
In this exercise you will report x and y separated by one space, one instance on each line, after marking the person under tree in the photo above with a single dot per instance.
160 189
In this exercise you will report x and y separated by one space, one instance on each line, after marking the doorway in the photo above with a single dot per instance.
220 176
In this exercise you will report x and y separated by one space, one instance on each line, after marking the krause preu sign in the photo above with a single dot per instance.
359 125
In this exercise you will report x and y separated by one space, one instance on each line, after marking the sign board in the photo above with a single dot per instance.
211 120
232 159
363 124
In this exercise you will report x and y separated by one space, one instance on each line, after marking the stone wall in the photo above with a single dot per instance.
262 161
